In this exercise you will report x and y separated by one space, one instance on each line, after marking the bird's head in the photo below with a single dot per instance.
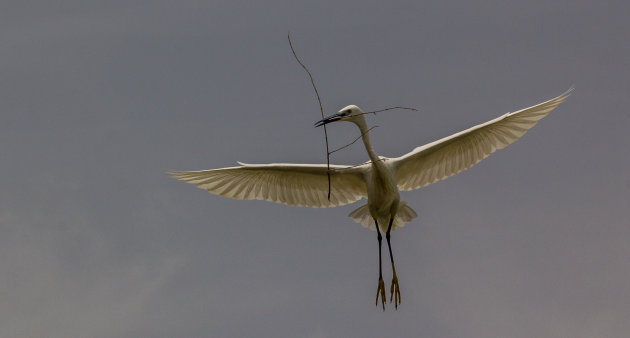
349 113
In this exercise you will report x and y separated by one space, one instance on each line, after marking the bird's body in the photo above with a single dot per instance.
382 192
383 195
378 180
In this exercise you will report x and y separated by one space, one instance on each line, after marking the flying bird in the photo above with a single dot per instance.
379 180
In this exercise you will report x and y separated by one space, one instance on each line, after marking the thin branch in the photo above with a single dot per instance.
321 109
386 109
351 143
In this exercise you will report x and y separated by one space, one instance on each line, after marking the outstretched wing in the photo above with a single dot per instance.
446 157
304 185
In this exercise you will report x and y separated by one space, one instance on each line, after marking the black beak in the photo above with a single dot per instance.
331 118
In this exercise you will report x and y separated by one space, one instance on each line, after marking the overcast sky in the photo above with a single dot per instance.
99 99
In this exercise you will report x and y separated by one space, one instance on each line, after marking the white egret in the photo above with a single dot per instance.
379 180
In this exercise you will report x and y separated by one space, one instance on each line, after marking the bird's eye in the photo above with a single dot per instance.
348 112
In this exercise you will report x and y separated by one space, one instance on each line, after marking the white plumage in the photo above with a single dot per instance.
378 180
306 185
302 185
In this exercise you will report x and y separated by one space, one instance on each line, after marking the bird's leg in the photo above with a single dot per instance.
395 289
381 284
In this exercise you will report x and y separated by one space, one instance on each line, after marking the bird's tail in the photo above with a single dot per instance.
362 216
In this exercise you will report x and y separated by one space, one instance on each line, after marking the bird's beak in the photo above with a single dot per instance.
327 120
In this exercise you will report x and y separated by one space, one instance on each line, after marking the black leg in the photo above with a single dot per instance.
381 284
395 289
380 241
387 236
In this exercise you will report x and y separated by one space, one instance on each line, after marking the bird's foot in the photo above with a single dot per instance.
395 292
381 291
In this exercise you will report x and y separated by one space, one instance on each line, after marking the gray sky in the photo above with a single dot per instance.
98 100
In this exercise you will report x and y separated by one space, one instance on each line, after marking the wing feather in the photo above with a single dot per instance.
292 184
453 154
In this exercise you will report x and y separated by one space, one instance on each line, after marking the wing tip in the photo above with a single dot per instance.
567 93
178 175
560 98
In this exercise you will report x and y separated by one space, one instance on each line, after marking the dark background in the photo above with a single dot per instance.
98 99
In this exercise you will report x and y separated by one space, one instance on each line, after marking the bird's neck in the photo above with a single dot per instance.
365 136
